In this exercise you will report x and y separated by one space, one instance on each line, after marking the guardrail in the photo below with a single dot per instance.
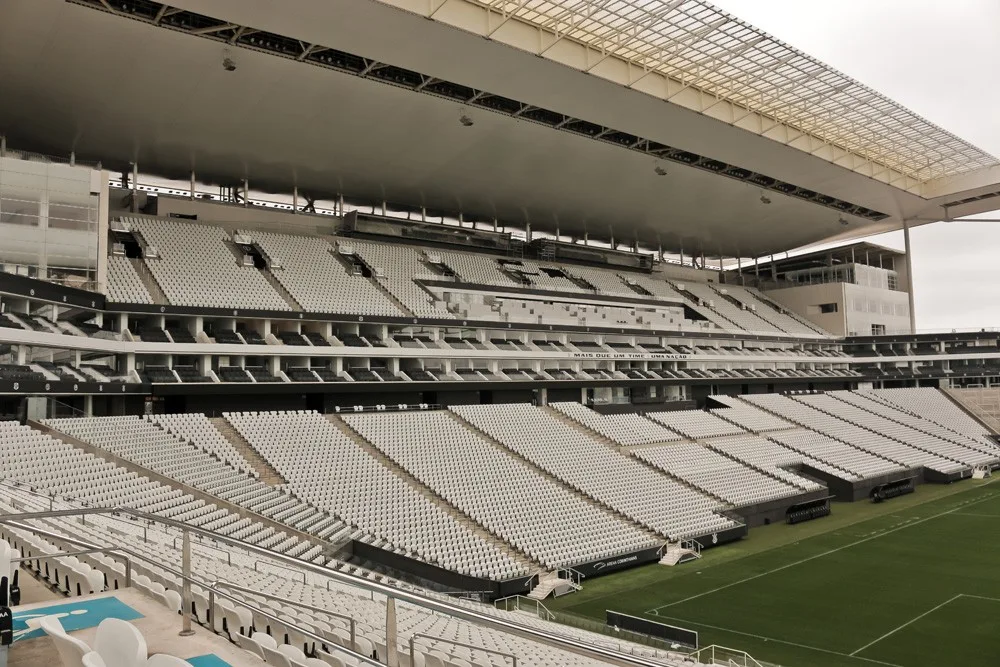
128 555
445 607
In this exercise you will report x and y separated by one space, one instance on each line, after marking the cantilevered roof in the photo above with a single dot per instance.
372 101
733 64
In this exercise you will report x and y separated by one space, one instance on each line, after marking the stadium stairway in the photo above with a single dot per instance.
981 403
169 482
591 433
544 473
146 276
280 289
790 418
889 436
572 423
265 471
878 410
459 516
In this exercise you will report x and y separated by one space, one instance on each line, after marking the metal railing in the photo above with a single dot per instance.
420 635
513 603
215 585
82 552
442 606
187 580
731 657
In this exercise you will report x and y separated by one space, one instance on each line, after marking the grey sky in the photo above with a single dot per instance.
942 60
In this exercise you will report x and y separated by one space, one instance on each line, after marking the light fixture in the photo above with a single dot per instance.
842 220
228 63
660 171
764 199
466 121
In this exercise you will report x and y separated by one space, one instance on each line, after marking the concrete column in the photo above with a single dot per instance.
295 199
135 187
88 405
192 186
246 193
909 276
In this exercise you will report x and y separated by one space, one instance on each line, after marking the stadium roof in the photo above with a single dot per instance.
548 126
701 47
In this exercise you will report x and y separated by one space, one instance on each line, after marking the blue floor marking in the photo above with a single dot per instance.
73 616
210 660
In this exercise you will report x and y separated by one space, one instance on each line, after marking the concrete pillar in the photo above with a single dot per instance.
192 187
295 199
246 193
909 276
135 187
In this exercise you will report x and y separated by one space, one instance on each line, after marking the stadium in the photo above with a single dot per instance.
477 333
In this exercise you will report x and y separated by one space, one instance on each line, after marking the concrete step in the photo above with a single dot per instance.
459 516
267 473
152 286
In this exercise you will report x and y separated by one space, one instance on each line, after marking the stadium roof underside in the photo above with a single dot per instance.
671 122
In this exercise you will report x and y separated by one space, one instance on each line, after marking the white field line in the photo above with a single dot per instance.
820 555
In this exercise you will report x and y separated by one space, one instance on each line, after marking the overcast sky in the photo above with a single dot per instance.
942 60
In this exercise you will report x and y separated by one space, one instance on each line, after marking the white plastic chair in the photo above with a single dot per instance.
71 650
120 644
93 659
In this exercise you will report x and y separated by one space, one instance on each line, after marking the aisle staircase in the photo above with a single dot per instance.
149 281
680 551
458 515
267 474
982 403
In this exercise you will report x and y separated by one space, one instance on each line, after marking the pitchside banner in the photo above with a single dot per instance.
608 565
643 626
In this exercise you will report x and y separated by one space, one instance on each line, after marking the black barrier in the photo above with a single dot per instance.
615 563
643 626
498 589
722 537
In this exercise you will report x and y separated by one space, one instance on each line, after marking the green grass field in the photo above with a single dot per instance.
913 582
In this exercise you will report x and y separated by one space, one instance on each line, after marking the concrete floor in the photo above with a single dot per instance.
33 590
158 626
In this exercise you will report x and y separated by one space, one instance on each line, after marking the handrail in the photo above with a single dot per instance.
549 616
10 519
513 658
225 584
445 607
82 552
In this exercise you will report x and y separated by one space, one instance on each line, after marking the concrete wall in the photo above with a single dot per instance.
806 300
232 215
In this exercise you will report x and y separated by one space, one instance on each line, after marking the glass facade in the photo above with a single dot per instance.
49 221
854 274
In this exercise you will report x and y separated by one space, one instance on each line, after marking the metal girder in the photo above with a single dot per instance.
703 48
